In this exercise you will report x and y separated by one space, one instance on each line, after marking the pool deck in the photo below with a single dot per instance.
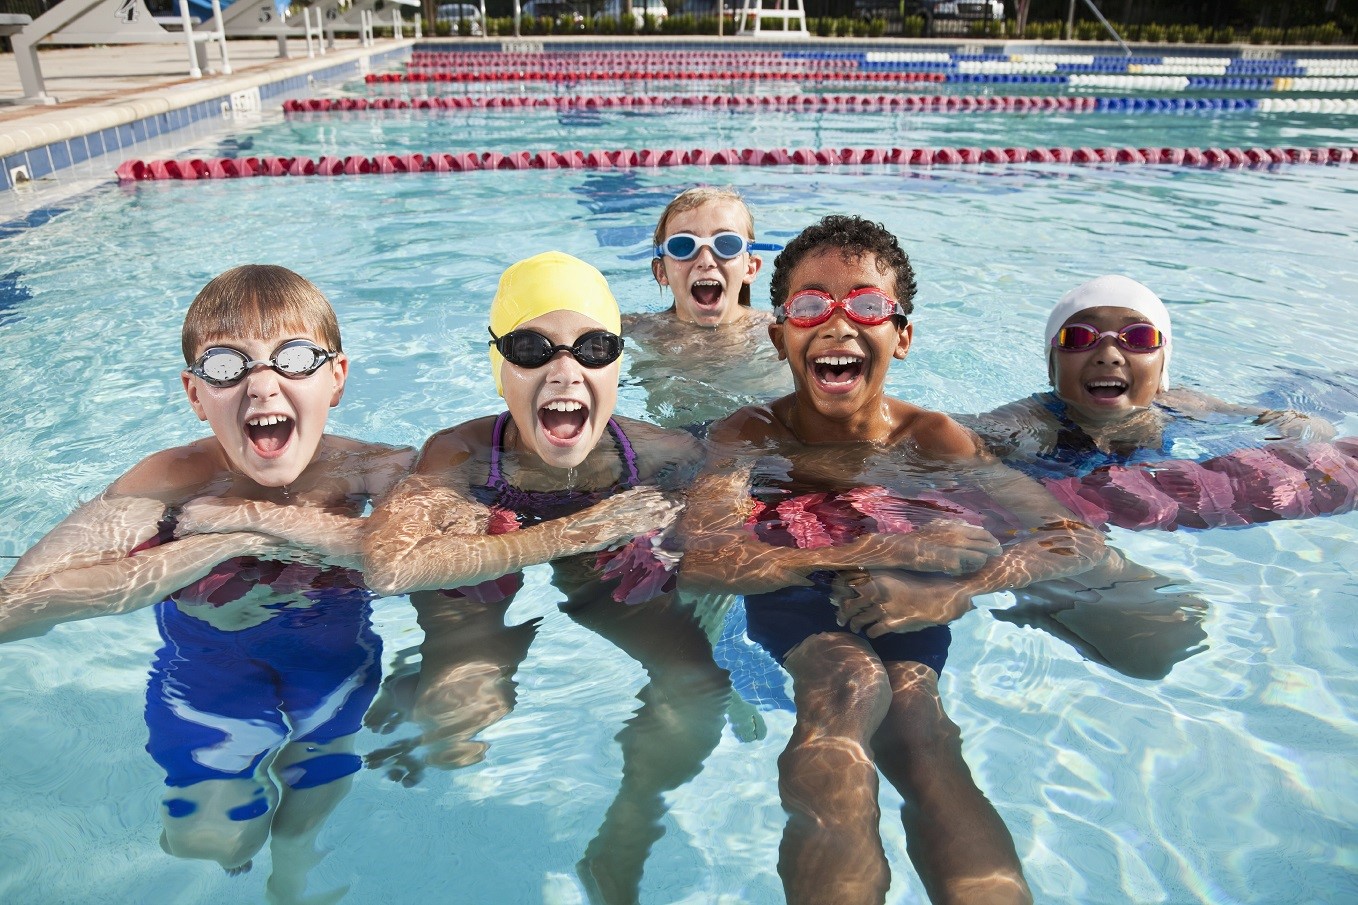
100 87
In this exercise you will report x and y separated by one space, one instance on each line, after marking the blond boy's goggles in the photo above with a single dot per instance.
222 366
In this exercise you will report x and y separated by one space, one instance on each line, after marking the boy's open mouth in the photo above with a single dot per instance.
1106 389
563 420
837 371
269 434
706 293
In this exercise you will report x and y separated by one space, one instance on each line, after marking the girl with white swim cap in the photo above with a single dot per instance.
1108 344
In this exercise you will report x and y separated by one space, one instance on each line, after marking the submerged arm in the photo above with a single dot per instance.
722 554
335 537
1051 544
433 534
1290 424
84 567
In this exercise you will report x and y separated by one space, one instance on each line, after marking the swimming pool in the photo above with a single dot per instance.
1228 781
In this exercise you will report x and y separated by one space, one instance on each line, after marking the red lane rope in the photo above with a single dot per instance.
237 167
668 75
849 102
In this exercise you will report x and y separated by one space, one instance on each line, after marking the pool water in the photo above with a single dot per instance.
1228 781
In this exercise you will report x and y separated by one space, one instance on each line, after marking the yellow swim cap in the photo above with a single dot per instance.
551 281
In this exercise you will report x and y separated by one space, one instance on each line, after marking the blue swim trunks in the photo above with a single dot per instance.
219 701
780 620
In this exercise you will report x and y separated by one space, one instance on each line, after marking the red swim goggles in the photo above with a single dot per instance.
1139 338
813 307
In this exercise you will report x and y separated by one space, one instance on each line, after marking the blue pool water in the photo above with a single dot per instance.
1229 781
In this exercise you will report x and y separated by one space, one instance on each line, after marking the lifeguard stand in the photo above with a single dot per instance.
790 11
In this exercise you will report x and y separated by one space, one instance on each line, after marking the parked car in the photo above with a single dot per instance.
564 13
969 9
893 10
457 13
656 9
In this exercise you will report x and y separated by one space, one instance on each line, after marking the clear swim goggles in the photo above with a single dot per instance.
222 366
1139 338
529 349
812 307
725 245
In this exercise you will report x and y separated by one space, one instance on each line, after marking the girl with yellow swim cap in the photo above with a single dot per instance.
556 478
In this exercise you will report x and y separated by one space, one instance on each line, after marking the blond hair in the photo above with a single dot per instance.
694 198
258 301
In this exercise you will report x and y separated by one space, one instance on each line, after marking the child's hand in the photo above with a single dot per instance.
1292 425
622 517
881 602
216 515
947 545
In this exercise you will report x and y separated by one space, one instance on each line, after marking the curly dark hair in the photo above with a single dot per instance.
853 236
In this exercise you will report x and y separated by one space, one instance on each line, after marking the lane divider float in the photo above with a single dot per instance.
465 161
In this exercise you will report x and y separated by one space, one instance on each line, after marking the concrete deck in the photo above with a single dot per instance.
99 87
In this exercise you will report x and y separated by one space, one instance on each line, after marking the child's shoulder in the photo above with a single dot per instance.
934 434
658 446
753 424
454 446
376 466
176 473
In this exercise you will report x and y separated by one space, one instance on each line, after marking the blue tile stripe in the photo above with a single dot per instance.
48 159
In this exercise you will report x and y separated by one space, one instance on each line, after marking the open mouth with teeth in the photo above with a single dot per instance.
706 293
837 371
563 420
270 434
1109 389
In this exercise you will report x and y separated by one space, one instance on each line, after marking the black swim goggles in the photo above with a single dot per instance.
725 245
222 366
529 349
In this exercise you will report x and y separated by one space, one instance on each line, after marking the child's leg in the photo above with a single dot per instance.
832 850
664 744
213 726
302 811
324 697
464 684
222 820
960 847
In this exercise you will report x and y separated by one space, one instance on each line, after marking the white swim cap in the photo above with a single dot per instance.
1111 292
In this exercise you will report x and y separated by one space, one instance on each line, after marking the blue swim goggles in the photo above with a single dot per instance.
725 245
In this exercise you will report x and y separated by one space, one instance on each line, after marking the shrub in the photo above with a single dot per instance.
1174 34
1047 31
1223 35
912 26
876 27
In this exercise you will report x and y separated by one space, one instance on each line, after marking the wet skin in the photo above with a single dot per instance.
696 300
839 367
1107 383
272 455
567 404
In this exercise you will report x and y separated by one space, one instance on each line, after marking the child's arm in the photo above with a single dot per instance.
1020 427
431 533
1290 424
82 568
721 553
1052 544
336 537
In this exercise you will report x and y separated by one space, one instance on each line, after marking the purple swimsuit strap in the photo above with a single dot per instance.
495 479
